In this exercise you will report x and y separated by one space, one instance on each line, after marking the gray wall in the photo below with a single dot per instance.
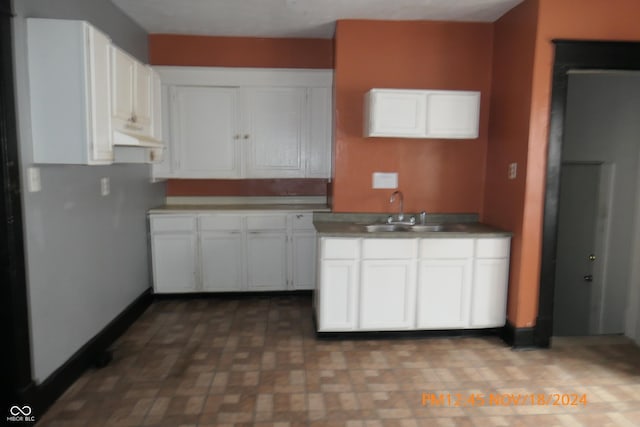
603 124
87 256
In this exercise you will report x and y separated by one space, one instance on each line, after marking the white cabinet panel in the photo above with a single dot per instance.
399 113
221 261
489 293
266 260
443 293
142 95
123 86
69 83
453 114
338 295
303 249
204 130
413 113
174 263
320 132
387 295
274 130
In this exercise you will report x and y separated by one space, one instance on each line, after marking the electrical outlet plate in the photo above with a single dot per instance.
34 183
387 180
105 186
513 170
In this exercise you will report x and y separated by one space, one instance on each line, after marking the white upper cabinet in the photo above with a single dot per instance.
246 123
132 97
70 80
406 113
399 113
87 96
204 131
275 138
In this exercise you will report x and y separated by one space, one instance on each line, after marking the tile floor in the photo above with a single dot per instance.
256 362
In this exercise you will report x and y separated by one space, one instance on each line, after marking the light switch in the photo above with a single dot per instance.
513 170
385 180
34 183
105 186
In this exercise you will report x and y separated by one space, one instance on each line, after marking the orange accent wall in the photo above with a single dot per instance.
434 175
557 19
208 51
513 57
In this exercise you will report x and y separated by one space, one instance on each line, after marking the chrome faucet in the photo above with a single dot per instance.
392 199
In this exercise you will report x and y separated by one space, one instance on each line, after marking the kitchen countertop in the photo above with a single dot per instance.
177 209
354 225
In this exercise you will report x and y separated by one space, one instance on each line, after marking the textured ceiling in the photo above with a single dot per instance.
296 18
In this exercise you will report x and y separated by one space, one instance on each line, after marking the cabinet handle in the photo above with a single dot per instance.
299 216
246 136
236 136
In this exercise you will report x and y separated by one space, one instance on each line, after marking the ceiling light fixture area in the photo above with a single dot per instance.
296 18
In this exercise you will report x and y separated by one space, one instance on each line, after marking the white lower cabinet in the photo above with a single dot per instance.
221 261
234 251
490 283
444 283
405 284
173 245
267 260
336 297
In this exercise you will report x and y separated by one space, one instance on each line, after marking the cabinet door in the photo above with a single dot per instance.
142 96
395 113
174 263
489 293
275 137
101 149
266 260
221 261
452 114
387 295
204 132
303 248
337 295
122 69
444 293
320 124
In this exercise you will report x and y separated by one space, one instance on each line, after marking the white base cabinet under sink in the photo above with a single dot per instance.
374 284
232 251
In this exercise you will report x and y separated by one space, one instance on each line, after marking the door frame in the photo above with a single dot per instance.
17 386
569 55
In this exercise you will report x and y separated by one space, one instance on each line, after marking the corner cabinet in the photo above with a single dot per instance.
374 284
110 99
246 123
233 251
408 113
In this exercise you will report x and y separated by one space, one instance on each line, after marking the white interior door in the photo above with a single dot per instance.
576 256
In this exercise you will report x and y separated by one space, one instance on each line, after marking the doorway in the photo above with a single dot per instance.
15 357
571 56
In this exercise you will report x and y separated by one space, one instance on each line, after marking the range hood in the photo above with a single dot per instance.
123 138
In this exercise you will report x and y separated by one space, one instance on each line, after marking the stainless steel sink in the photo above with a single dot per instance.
426 227
385 227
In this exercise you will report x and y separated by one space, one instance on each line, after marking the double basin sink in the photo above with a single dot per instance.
418 228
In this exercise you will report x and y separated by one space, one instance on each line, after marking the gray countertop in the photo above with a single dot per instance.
173 209
354 225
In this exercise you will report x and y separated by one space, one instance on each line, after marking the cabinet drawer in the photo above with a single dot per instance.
493 247
220 222
446 248
266 222
334 248
166 223
302 221
389 248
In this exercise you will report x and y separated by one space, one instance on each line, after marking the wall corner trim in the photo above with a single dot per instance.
57 383
518 338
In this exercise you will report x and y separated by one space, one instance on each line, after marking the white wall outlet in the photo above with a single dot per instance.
385 180
33 180
105 186
513 170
